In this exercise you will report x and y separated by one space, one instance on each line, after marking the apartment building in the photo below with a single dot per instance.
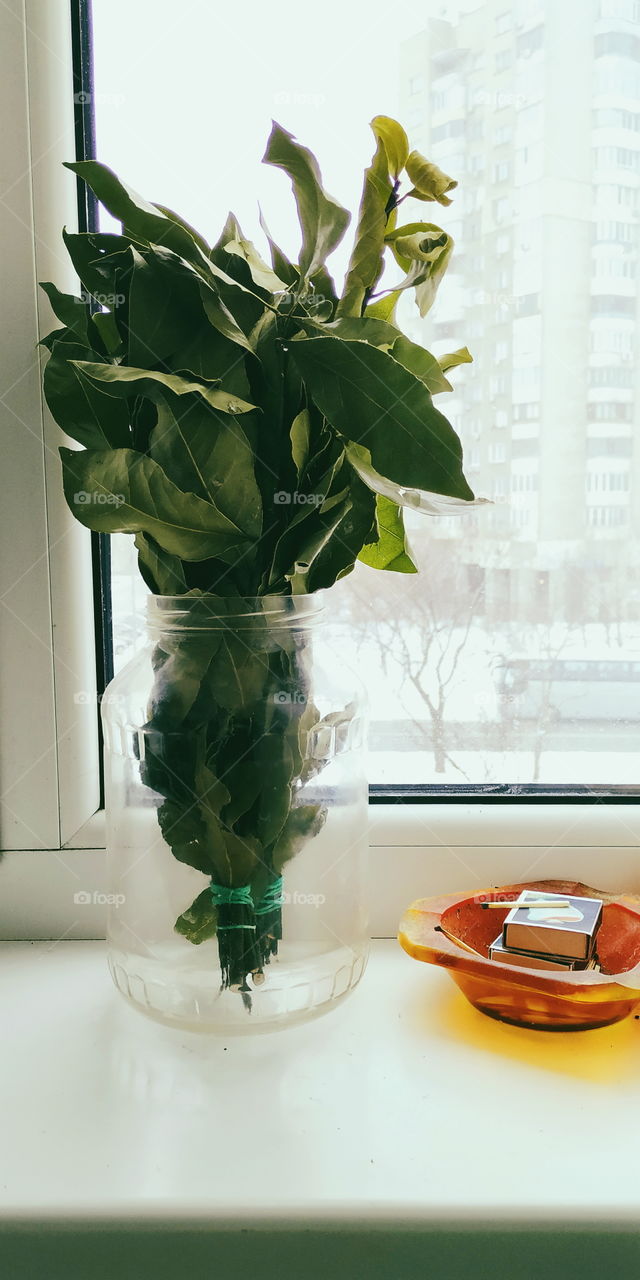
535 108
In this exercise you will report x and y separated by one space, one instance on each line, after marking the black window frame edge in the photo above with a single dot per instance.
88 220
379 793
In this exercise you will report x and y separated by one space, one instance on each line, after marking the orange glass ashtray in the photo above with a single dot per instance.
448 931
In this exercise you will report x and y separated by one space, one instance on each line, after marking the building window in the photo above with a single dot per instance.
504 59
607 481
616 118
530 42
528 304
501 171
622 43
607 517
620 376
616 158
526 412
416 85
615 232
610 447
610 411
614 305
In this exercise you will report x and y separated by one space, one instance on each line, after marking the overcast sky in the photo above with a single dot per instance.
186 94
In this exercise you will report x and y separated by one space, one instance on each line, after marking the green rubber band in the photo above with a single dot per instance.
224 897
240 897
272 898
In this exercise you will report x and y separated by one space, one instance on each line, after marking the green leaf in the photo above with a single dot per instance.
338 556
391 550
373 401
186 226
178 678
323 221
420 362
120 380
93 256
120 491
300 436
208 454
281 265
82 409
164 304
396 143
183 830
301 826
221 318
454 358
275 762
261 273
237 675
74 313
367 256
162 572
144 220
429 182
384 307
355 328
199 922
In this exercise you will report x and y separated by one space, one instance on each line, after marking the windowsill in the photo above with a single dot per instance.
397 1108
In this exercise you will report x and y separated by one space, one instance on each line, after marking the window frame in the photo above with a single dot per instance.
48 744
54 828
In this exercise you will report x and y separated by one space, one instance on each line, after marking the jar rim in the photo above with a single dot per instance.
205 611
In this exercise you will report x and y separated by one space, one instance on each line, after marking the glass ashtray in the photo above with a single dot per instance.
456 932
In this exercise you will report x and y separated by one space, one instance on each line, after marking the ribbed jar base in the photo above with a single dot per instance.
294 990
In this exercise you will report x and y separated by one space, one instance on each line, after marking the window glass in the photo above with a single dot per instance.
544 287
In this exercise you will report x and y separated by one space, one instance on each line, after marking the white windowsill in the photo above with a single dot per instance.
403 1106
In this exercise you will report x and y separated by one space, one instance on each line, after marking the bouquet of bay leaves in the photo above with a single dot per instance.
207 386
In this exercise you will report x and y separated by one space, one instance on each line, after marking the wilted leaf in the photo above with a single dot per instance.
396 143
322 219
429 182
454 358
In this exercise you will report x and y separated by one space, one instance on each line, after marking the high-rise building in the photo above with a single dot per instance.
534 106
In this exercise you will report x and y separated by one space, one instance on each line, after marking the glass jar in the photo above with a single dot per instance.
236 816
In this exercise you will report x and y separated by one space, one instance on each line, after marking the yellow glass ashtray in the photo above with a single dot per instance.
456 933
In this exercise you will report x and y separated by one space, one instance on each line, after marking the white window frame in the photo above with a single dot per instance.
52 830
48 742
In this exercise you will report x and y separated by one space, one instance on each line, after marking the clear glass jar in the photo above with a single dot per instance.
236 816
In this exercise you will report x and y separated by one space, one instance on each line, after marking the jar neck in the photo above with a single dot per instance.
189 614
